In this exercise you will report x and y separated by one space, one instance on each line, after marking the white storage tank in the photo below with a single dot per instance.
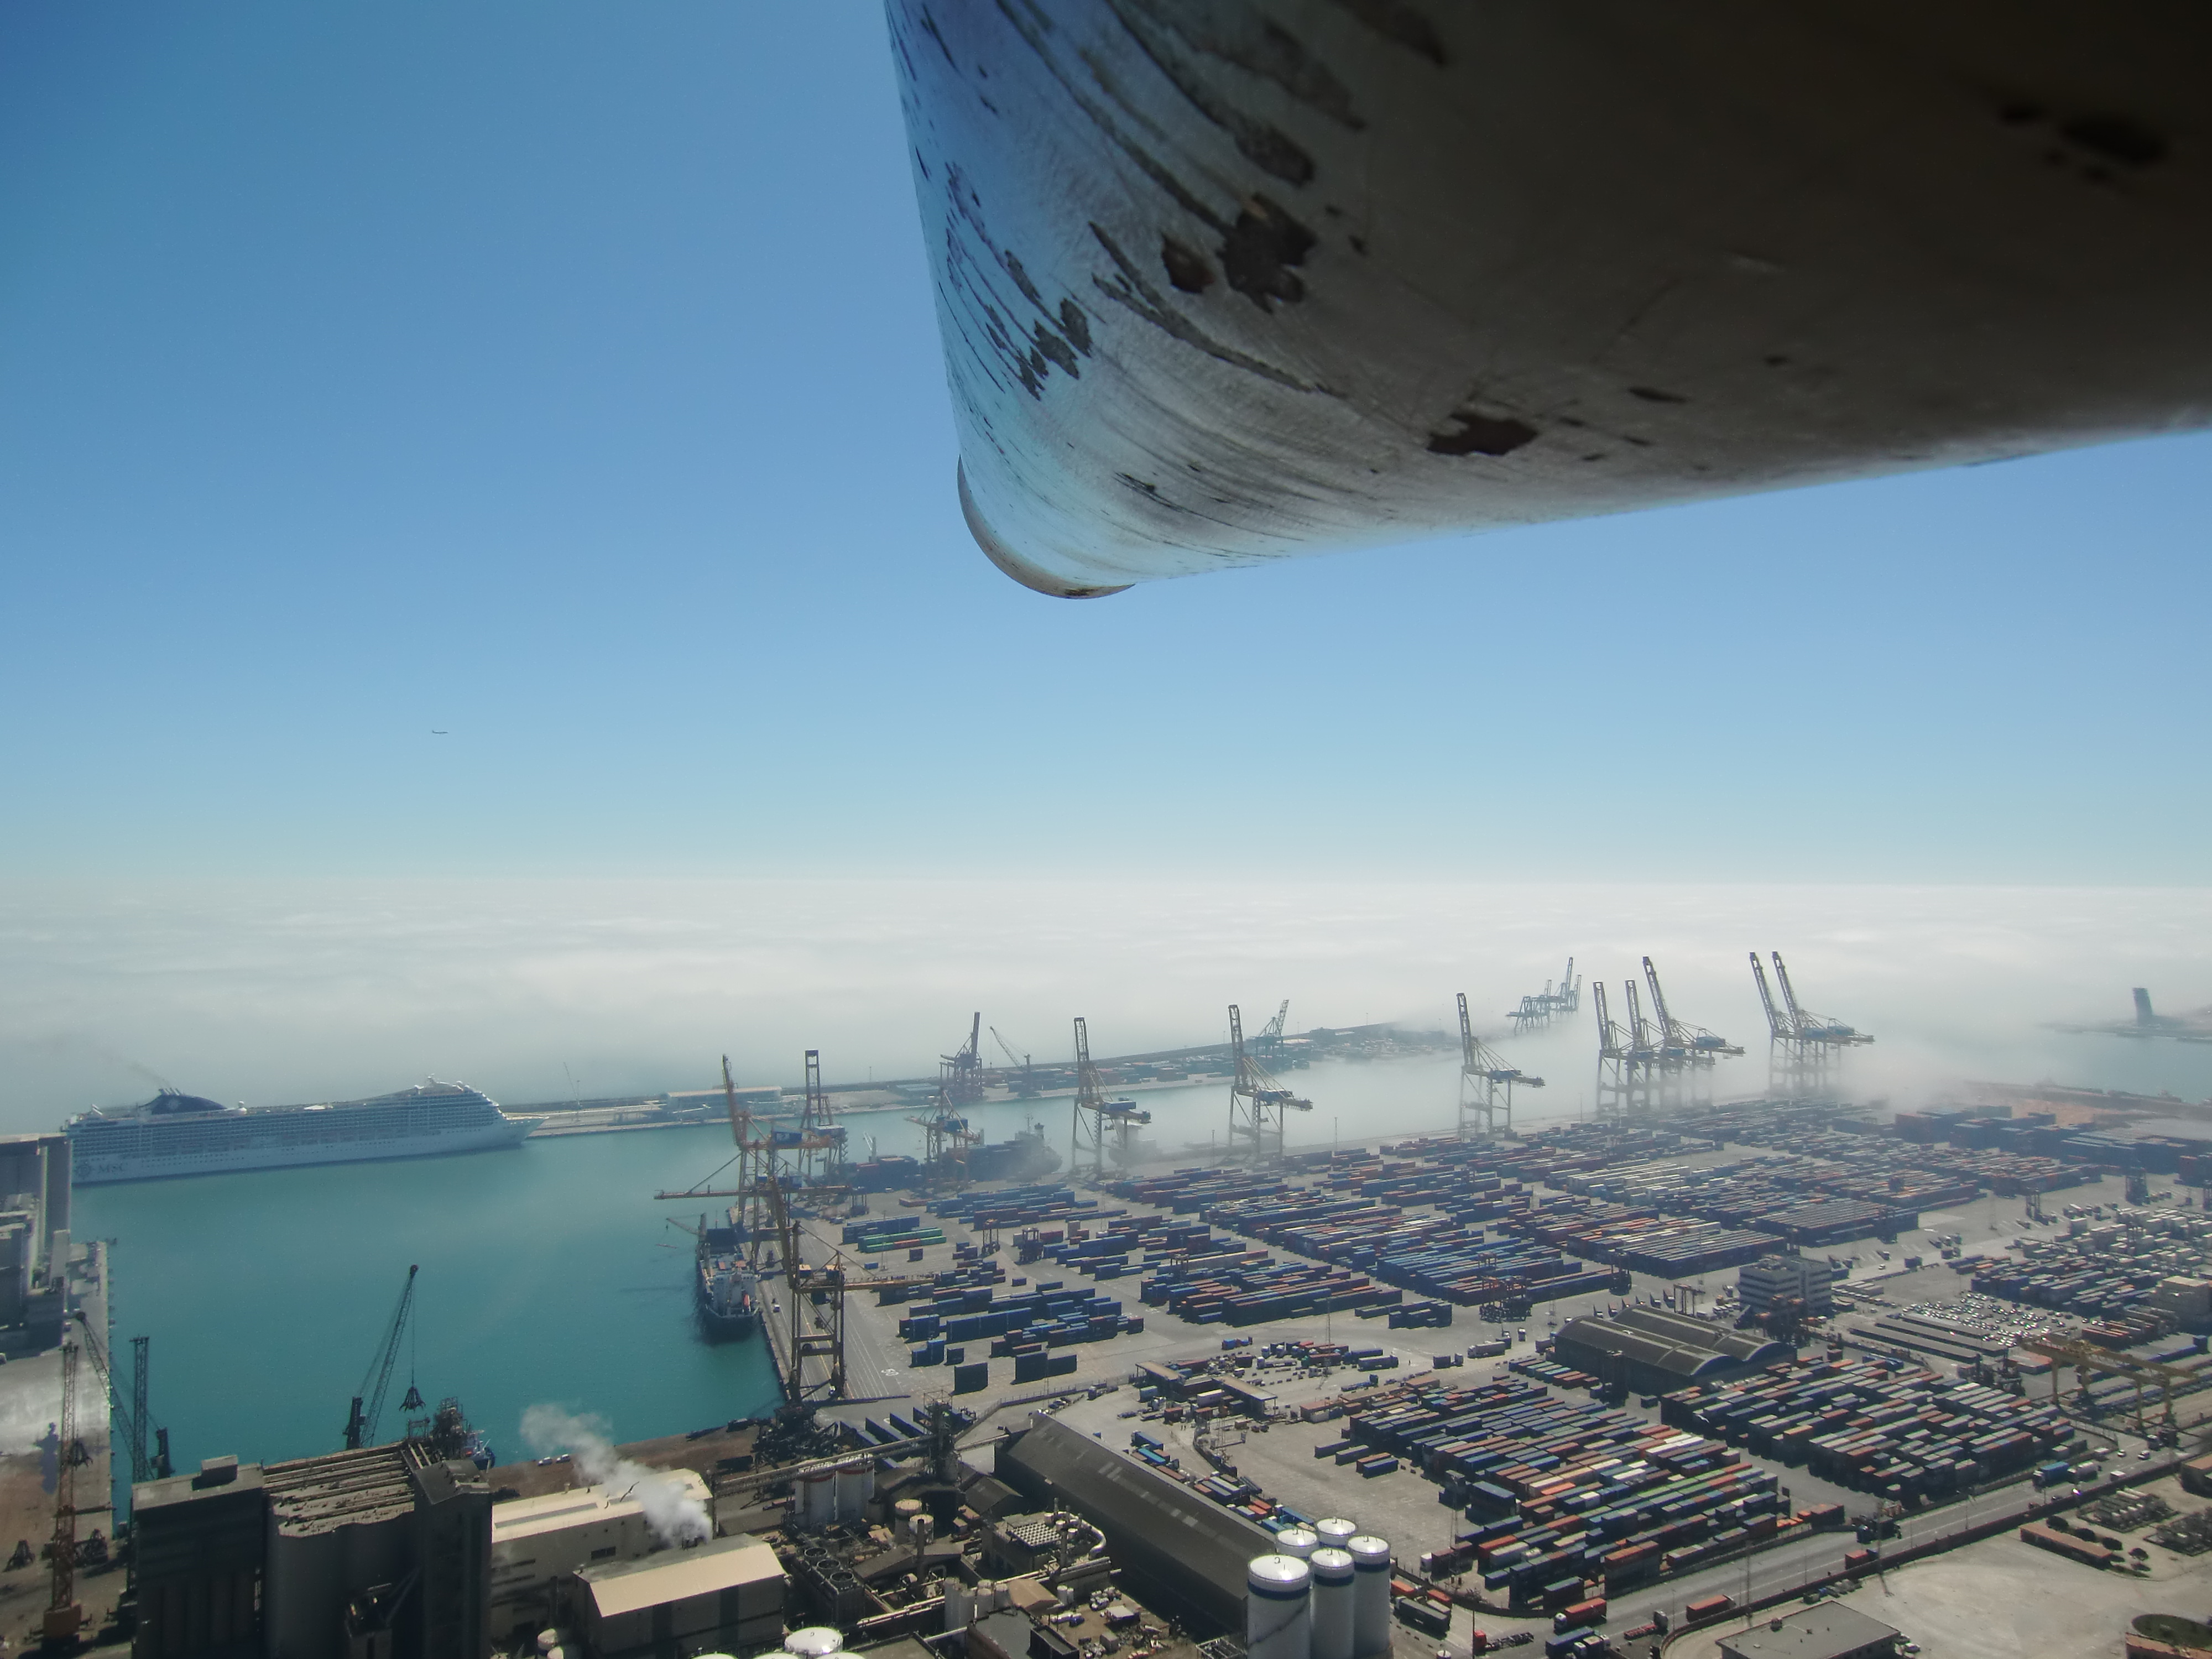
959 1605
854 1487
817 1498
1371 1595
1333 1576
815 1642
1301 1541
1335 1532
1279 1608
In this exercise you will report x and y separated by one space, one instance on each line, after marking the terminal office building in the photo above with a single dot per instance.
1652 1350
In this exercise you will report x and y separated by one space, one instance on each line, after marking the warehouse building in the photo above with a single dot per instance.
1837 1221
538 1542
722 1596
1180 1553
1653 1351
1808 1278
1832 1630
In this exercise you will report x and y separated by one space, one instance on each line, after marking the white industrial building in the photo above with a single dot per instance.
538 1542
1809 1279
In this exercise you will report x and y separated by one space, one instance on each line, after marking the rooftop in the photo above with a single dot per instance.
518 1518
341 1489
706 1568
1831 1631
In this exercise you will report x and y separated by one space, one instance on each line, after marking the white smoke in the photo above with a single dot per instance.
671 1508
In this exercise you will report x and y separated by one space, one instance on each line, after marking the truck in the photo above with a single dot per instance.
1706 1607
1582 1613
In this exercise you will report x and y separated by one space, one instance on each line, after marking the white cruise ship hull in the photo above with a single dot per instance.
147 1147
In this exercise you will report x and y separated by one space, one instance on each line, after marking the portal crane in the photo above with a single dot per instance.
820 1154
1269 1043
65 1618
1095 1117
1687 1052
136 1424
947 1138
1627 1056
1486 1082
1806 1049
1568 999
1022 1082
960 1074
1256 1102
360 1425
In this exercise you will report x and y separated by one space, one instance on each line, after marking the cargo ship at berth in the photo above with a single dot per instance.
728 1290
181 1134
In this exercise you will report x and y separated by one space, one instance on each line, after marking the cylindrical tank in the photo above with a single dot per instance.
1301 1541
987 1596
902 1513
850 1495
817 1499
1371 1595
815 1642
1335 1532
959 1605
1333 1575
1278 1608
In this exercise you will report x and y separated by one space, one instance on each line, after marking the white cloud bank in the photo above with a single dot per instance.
285 991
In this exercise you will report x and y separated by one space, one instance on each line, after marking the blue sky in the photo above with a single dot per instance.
565 377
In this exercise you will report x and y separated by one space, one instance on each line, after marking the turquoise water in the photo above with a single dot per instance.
548 1274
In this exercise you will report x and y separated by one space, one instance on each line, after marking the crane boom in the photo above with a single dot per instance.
1668 1032
1789 996
136 1423
360 1423
1609 1039
1777 1027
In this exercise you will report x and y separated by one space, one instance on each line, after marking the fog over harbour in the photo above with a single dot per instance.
280 992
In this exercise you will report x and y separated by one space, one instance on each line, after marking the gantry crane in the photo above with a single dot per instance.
1097 1119
821 1149
1625 1058
1020 1078
1256 1100
960 1074
1486 1082
1805 1051
1687 1053
947 1138
2087 1359
1268 1045
1540 1008
361 1423
1568 999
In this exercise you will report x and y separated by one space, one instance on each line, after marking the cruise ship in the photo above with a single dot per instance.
179 1134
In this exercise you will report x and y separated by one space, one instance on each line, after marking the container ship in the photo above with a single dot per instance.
728 1291
181 1134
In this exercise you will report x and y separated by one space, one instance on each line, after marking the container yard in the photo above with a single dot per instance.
1522 1360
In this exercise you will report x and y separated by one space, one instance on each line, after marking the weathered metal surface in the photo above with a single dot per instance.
1221 281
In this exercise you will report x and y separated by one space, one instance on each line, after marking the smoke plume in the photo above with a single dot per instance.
671 1510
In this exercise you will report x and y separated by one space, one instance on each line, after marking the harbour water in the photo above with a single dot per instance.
548 1271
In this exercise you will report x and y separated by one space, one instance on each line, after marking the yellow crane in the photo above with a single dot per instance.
2088 1360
